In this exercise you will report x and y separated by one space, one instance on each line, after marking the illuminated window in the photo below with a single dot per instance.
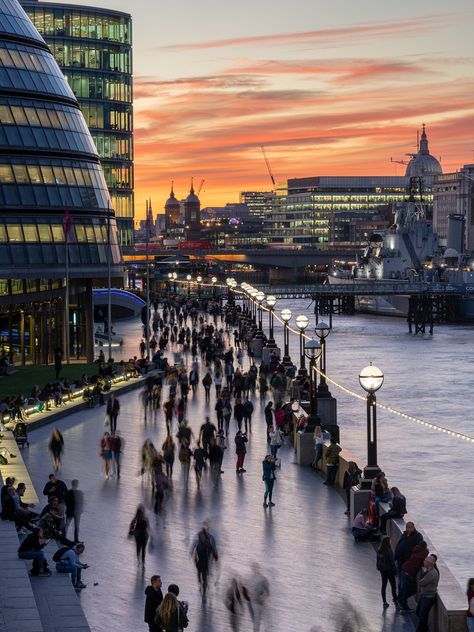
58 233
14 232
45 232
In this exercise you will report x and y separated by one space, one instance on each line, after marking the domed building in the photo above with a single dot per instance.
55 208
172 209
423 164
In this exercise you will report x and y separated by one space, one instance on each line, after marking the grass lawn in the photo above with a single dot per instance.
27 376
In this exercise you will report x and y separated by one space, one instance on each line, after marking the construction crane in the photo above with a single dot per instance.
200 187
268 165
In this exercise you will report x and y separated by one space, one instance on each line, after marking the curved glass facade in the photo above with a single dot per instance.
92 46
49 171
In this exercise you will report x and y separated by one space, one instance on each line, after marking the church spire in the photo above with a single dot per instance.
172 189
191 190
424 149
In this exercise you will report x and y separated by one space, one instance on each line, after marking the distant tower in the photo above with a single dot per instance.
172 208
192 216
423 164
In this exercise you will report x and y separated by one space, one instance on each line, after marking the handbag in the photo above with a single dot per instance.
106 421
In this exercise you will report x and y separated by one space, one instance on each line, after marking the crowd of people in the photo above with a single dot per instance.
214 339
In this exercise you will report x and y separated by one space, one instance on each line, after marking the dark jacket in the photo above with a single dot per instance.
8 508
240 442
178 620
405 545
269 415
31 543
350 480
386 562
57 489
399 505
113 407
415 561
153 600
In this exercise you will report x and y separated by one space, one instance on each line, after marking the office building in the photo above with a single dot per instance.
454 195
51 185
259 203
93 48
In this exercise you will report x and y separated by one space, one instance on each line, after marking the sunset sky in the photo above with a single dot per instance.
328 87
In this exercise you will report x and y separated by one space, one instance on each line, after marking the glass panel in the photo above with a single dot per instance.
19 115
6 174
17 286
58 232
45 232
80 233
60 178
90 234
6 115
14 232
3 233
35 174
31 234
48 175
21 175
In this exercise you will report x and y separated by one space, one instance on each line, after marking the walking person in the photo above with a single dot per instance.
248 412
269 479
113 410
74 508
240 450
269 418
239 413
216 455
168 408
56 447
117 445
169 449
428 589
387 570
140 530
106 453
58 361
207 382
200 456
184 455
276 440
203 549
332 462
154 597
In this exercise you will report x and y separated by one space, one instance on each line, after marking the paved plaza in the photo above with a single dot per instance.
303 545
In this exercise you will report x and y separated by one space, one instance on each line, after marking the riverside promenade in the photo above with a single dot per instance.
320 579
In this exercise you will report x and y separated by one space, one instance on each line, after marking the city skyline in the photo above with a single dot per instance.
325 93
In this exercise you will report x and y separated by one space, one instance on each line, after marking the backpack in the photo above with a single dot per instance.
60 552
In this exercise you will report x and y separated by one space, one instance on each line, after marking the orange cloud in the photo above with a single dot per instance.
357 31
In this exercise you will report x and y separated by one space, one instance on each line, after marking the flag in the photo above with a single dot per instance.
67 227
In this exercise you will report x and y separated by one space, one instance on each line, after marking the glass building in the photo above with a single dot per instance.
93 48
51 184
325 210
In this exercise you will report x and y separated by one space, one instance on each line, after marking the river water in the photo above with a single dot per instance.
429 377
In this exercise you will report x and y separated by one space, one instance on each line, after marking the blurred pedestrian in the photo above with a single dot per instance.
169 449
56 447
113 410
140 530
117 445
106 452
74 508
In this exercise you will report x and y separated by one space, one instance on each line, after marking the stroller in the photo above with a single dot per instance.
20 433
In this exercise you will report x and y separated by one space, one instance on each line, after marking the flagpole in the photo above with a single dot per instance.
109 281
147 284
67 298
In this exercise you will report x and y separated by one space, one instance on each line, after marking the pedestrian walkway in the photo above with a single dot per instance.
303 545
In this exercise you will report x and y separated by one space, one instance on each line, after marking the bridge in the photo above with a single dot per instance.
374 288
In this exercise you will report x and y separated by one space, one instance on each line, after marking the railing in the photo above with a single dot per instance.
357 288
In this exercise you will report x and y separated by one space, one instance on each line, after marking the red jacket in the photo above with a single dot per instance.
415 561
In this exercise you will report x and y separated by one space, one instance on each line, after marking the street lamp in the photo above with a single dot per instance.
302 322
371 379
175 276
285 315
322 330
260 297
199 281
170 278
312 350
253 303
214 281
271 302
188 279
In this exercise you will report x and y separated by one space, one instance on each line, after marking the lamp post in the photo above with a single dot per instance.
302 322
170 278
188 279
285 315
312 350
175 276
199 281
322 330
214 281
271 302
253 304
371 379
260 297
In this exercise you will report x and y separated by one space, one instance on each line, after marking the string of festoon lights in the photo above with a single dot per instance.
245 289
